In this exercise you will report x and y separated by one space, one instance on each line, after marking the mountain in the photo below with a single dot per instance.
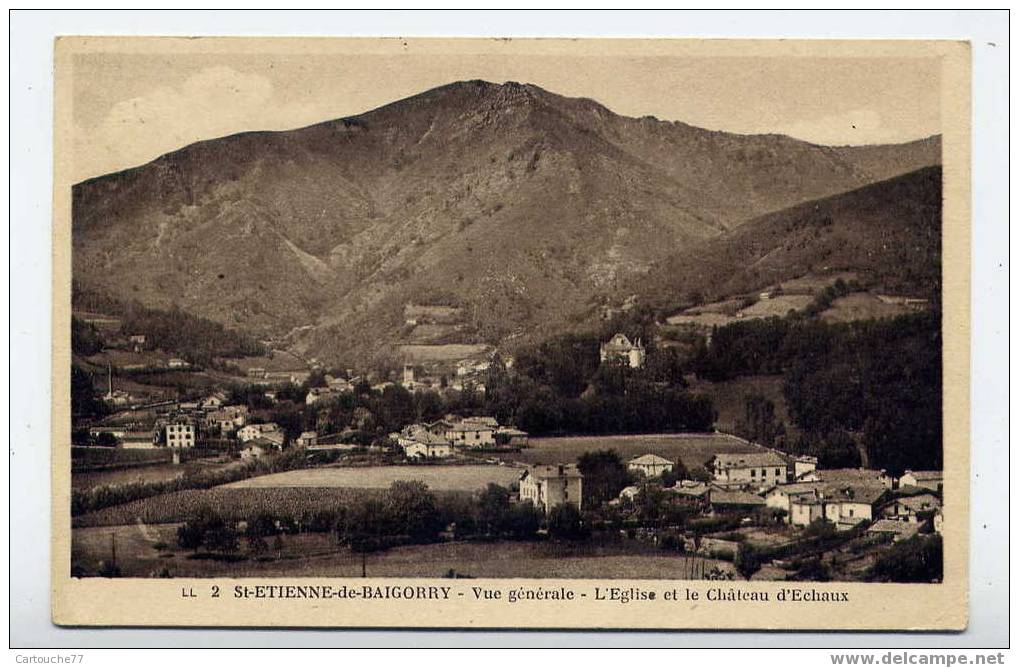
520 206
888 233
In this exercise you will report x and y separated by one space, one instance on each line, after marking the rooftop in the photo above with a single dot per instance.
748 459
650 459
554 471
893 527
925 475
722 497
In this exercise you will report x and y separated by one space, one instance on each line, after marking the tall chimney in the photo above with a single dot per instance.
109 378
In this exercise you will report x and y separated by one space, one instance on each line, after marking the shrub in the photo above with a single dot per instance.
564 521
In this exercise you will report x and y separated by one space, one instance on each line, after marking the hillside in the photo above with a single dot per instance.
887 234
524 208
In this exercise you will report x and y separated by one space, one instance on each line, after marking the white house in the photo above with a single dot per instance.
802 465
214 400
842 503
471 434
753 468
932 480
277 437
250 431
896 531
619 348
551 485
511 436
180 434
176 363
912 508
650 465
424 445
307 438
853 476
253 451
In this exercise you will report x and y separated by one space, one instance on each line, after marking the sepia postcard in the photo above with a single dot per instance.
511 333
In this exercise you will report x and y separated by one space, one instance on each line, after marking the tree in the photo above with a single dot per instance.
222 538
748 560
107 440
84 402
523 520
675 474
565 522
205 522
263 524
411 510
605 476
493 509
917 559
85 338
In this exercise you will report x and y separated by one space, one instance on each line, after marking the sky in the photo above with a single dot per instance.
129 108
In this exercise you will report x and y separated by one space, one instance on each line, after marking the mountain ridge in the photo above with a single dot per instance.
521 205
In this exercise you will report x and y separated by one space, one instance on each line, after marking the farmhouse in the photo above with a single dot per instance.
316 393
620 349
338 384
914 509
180 434
251 431
116 432
650 465
307 438
424 445
258 448
471 433
803 464
276 437
854 476
511 436
628 493
214 400
725 501
842 503
847 506
551 485
804 509
896 531
932 480
758 468
689 490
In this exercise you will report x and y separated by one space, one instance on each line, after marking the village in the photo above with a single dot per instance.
724 509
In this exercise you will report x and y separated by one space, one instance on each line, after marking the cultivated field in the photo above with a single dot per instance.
146 551
450 352
777 306
438 478
862 306
153 473
232 504
692 449
147 473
